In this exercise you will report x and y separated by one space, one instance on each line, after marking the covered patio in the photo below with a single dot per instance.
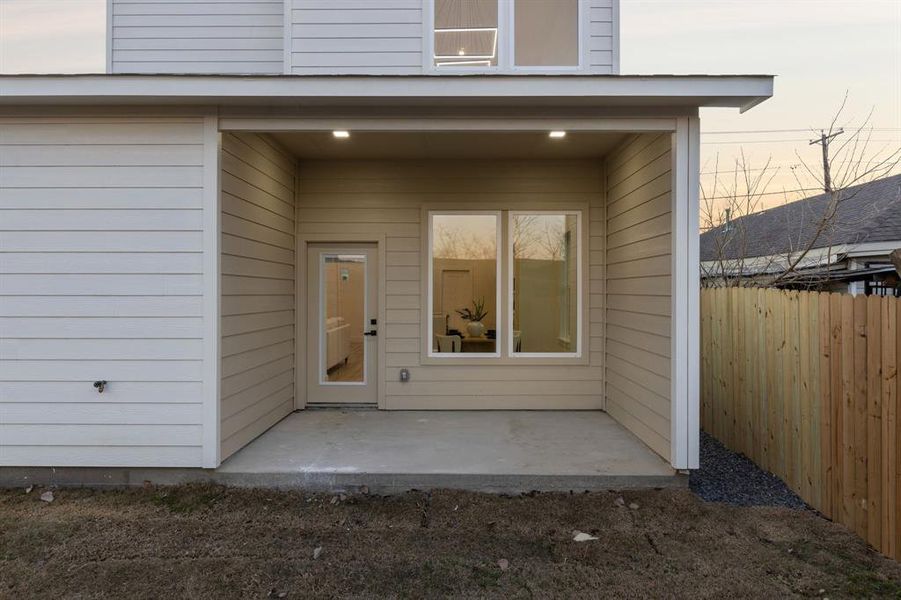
571 233
493 451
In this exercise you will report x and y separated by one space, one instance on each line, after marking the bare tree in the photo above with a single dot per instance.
734 193
848 160
854 162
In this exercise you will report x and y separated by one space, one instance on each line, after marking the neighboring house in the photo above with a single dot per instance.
851 254
206 226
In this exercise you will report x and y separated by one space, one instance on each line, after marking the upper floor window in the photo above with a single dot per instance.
466 33
546 33
506 34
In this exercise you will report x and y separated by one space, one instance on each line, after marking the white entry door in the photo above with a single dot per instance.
342 326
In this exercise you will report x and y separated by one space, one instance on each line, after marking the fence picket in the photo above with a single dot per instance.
806 385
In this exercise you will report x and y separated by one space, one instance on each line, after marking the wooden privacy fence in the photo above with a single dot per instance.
806 385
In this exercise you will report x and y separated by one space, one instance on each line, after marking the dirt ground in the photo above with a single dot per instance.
211 542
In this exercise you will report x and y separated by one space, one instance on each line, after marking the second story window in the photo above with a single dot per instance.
506 34
466 33
546 33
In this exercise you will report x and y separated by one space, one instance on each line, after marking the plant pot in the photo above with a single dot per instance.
475 329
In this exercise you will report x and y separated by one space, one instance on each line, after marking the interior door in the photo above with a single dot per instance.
342 326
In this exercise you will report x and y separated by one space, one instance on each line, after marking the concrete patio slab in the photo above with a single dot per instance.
478 450
387 452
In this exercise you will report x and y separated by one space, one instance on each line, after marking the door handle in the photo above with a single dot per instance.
372 333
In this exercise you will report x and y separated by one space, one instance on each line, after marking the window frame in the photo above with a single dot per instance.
503 354
428 312
506 41
579 250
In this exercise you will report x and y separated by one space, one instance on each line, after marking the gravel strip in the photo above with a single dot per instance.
732 478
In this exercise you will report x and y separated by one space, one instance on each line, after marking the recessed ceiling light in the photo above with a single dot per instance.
340 133
557 134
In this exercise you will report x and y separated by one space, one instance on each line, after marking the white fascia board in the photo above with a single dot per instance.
737 91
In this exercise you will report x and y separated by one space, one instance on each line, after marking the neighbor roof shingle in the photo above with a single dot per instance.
868 213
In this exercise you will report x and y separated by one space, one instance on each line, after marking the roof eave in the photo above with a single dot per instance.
738 91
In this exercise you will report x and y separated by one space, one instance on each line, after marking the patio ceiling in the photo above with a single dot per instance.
443 144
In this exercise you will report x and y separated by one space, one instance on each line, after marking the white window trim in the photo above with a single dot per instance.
506 62
579 277
430 286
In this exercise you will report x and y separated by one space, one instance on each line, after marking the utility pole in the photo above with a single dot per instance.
824 141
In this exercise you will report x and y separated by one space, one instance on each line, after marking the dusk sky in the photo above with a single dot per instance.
819 49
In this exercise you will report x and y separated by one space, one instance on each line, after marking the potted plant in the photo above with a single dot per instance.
474 328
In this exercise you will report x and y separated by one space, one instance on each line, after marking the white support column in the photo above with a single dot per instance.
685 344
212 144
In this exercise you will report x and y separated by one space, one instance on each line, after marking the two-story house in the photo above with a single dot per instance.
267 205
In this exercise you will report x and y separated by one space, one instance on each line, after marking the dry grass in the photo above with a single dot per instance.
210 542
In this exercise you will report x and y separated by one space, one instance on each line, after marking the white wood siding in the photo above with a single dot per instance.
603 36
639 247
386 198
356 36
197 36
101 278
257 288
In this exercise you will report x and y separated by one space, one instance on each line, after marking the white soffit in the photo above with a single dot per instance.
449 145
739 91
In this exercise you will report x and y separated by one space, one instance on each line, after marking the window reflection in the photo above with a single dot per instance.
545 283
464 283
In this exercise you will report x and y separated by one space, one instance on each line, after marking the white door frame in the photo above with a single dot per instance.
300 295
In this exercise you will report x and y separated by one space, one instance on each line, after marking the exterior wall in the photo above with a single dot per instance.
258 305
603 37
639 264
196 36
356 36
101 235
303 37
387 199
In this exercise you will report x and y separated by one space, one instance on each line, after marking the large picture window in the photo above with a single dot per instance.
541 317
545 283
464 278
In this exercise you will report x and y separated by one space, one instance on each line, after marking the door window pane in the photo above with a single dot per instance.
343 314
546 32
464 284
466 33
545 283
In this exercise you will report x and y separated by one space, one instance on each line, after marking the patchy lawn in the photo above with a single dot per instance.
211 542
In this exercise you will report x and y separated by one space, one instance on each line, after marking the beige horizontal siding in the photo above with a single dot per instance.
101 279
356 37
603 37
638 234
387 197
197 36
257 266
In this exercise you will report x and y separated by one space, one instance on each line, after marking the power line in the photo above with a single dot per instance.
798 191
756 131
791 141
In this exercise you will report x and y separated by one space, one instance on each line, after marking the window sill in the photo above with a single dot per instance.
505 361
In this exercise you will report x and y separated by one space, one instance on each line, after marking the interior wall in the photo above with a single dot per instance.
258 307
638 288
387 198
345 297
